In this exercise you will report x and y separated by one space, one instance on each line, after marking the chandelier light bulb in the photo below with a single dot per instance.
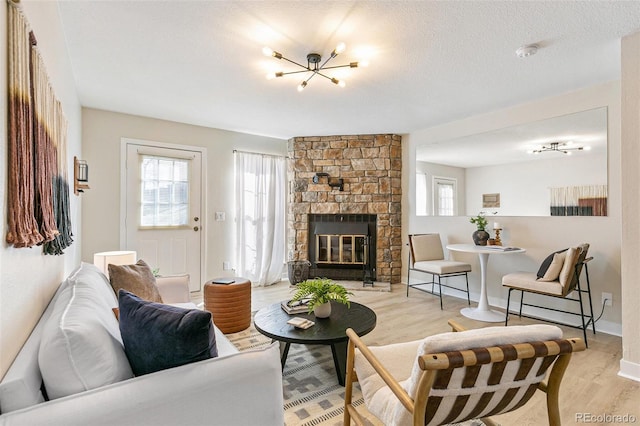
341 83
587 148
340 48
302 86
270 76
363 64
267 51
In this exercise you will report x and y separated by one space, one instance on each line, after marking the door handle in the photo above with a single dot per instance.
196 218
195 228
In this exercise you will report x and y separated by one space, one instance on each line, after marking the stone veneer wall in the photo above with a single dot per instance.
371 166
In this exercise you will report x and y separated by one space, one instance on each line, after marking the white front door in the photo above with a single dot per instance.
163 217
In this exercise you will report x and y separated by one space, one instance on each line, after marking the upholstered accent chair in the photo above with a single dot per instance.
426 256
564 284
458 376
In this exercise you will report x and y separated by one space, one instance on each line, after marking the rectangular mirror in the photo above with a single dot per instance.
552 167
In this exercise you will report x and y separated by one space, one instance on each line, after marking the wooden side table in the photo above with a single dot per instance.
229 303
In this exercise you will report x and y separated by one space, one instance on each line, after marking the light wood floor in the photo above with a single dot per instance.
591 384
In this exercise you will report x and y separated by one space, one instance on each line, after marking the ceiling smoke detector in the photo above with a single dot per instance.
527 50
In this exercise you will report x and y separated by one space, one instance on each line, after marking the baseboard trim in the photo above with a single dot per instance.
629 370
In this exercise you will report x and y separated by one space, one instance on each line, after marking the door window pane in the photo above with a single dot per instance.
164 192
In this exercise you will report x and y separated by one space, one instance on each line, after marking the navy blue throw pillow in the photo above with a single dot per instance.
158 336
546 263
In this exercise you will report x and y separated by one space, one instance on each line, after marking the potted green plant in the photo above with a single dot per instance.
320 292
480 236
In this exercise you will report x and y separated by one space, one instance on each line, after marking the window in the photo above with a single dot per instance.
445 201
164 192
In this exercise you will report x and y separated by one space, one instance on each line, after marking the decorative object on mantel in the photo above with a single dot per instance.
480 236
313 59
38 189
320 292
332 182
80 176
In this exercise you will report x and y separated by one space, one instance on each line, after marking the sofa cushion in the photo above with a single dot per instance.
137 279
158 336
81 347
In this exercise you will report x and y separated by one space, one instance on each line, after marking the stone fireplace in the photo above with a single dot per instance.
345 197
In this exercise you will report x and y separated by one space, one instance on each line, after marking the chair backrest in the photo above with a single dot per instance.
425 247
574 269
484 372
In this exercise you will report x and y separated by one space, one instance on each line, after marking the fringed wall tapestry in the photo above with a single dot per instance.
38 190
588 200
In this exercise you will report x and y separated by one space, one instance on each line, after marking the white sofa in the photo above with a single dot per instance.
236 388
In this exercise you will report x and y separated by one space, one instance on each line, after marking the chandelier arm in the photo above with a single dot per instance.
337 66
300 65
324 75
297 72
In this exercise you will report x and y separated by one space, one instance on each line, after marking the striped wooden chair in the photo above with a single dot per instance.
458 376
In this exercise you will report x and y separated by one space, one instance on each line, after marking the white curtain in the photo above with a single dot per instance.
260 217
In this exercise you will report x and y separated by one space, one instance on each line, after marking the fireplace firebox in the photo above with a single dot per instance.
343 246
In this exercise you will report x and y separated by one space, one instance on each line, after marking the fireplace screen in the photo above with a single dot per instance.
341 249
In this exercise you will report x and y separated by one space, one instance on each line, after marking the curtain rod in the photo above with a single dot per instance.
259 153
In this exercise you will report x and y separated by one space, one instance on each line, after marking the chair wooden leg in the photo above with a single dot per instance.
552 388
348 386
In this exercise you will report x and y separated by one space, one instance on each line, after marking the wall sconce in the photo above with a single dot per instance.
80 176
332 182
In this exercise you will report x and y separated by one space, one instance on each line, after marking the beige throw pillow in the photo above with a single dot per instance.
568 269
553 271
137 279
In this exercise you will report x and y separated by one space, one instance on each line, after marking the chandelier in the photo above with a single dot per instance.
562 147
313 66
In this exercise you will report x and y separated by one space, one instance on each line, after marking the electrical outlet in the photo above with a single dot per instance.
226 265
609 299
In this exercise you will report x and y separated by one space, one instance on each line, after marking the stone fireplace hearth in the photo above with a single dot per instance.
359 176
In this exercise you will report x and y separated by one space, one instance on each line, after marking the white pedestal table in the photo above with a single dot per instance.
483 312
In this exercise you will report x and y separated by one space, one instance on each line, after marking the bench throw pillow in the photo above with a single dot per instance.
547 262
158 336
137 279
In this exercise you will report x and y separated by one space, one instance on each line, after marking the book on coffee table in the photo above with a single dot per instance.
295 306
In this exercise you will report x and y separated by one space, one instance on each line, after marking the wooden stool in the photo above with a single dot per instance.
229 304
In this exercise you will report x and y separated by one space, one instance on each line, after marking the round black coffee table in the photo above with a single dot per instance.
272 322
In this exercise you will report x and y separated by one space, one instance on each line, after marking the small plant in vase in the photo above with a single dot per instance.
480 236
320 292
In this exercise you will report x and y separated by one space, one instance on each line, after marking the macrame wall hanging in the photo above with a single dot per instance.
38 189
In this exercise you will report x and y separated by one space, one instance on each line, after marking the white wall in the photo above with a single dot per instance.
102 132
630 363
539 235
27 277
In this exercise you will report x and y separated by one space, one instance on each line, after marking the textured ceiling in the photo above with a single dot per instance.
200 62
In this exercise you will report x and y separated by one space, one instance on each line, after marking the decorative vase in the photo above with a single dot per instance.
322 311
480 237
